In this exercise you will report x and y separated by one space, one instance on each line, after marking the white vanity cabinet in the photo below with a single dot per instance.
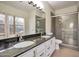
43 50
30 53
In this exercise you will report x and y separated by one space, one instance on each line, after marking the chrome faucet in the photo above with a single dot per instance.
20 36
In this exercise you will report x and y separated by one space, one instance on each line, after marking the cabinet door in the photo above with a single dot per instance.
30 53
40 47
41 53
40 50
52 45
48 47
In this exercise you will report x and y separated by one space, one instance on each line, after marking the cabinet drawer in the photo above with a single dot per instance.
41 53
40 47
48 50
30 53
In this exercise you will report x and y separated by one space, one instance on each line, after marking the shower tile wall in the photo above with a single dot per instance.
58 26
53 26
66 29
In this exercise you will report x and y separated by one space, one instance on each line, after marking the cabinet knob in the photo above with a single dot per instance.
48 48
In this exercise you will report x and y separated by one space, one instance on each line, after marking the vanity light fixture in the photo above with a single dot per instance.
30 2
38 7
71 25
34 5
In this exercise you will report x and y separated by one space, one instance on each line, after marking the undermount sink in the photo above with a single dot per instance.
45 36
23 44
49 34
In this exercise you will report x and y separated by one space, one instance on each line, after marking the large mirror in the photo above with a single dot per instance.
21 17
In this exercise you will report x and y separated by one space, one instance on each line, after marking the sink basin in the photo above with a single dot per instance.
46 37
23 44
49 33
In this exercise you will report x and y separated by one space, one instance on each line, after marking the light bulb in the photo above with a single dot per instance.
71 25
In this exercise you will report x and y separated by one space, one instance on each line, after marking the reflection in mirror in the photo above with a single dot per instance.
40 25
2 25
15 25
19 24
10 25
21 19
10 22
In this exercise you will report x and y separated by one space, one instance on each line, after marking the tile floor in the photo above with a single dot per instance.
65 52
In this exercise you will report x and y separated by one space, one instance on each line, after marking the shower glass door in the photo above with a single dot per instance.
69 27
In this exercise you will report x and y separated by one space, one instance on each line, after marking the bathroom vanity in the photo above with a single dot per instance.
44 49
41 48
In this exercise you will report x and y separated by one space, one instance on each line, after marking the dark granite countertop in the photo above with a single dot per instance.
14 52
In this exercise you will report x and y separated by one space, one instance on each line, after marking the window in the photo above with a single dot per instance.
15 25
10 21
2 23
10 25
19 24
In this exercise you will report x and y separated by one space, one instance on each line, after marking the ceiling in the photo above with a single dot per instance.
62 4
22 5
54 4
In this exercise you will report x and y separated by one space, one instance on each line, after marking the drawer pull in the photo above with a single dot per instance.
42 54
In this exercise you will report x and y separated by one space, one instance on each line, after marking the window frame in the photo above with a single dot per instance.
4 34
20 25
6 31
8 26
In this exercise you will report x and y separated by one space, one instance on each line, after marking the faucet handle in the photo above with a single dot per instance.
21 39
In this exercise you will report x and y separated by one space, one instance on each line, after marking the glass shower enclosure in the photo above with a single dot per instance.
67 29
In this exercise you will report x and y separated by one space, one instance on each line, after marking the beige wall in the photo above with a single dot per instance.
66 10
15 12
48 9
32 22
29 16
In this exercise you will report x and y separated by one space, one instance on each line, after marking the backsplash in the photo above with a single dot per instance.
8 42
